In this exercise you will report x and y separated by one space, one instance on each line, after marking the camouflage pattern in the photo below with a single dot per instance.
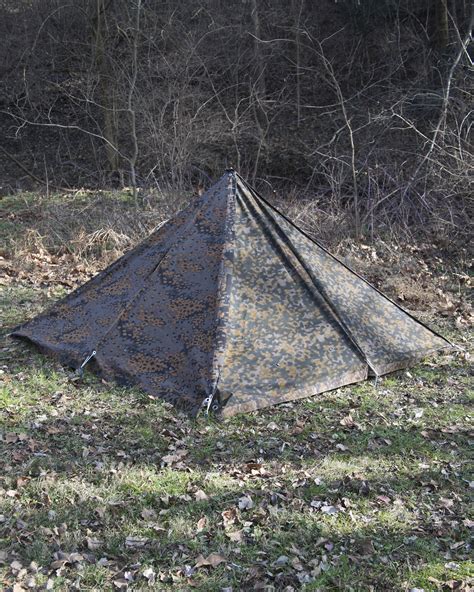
229 306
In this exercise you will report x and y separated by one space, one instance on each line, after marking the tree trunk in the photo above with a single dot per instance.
131 105
297 10
441 28
105 86
258 88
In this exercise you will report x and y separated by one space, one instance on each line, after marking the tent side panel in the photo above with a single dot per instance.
282 341
165 342
71 328
389 337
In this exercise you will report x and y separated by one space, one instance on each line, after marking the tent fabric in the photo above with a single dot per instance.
230 306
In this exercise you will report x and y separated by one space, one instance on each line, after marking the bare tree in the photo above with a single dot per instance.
107 99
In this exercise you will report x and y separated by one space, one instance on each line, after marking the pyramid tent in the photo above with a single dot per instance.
229 306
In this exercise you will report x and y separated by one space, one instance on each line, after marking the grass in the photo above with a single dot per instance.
288 498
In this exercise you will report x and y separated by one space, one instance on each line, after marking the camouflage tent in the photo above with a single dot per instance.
230 306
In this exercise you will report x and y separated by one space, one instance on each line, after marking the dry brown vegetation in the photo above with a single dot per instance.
64 239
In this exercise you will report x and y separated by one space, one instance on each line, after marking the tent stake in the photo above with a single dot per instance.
376 382
80 370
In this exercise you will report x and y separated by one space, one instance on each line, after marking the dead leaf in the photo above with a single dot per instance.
328 509
100 511
177 456
348 421
459 544
200 495
136 542
453 584
212 560
446 502
298 428
58 564
451 565
189 571
21 481
296 564
201 524
11 438
149 514
245 503
93 544
229 517
236 536
16 566
150 575
51 430
272 426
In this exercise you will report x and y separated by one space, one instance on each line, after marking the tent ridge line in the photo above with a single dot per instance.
224 289
345 329
317 243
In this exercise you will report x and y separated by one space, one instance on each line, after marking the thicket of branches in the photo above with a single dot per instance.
363 105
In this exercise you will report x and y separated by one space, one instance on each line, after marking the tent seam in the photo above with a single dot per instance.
129 303
224 290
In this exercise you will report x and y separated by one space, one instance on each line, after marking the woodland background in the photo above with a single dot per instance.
361 108
354 117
